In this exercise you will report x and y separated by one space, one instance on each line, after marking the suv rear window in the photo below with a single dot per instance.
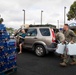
45 31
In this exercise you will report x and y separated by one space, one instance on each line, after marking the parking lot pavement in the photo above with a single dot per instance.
30 64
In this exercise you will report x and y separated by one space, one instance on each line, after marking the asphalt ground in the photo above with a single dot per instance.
29 64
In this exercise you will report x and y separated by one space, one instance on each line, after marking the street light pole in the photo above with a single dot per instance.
64 15
58 23
41 16
24 17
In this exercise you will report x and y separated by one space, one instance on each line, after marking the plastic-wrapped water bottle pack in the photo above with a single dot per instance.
7 50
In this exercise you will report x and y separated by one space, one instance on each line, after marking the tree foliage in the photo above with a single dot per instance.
72 12
10 30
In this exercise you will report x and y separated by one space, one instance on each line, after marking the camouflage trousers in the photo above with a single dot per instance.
68 58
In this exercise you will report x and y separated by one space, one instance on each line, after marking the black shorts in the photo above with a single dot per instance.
21 41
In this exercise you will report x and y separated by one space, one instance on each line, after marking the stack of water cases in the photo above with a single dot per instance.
7 51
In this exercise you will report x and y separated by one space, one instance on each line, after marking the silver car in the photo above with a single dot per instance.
40 39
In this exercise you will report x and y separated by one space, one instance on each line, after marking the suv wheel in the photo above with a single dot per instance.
40 50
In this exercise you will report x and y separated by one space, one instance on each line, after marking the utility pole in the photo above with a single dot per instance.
24 18
64 15
58 23
41 16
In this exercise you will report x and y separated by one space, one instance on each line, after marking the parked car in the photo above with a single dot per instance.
40 39
12 36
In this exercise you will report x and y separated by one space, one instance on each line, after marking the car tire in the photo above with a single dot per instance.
40 50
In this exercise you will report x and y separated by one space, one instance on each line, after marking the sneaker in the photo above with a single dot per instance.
19 52
73 63
63 64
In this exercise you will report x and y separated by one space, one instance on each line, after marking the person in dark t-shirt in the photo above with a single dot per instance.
21 36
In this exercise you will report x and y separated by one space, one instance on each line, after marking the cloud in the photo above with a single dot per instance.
11 11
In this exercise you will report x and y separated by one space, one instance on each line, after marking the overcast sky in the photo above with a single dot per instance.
11 11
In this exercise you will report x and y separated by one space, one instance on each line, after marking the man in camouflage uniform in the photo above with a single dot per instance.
60 36
70 38
60 39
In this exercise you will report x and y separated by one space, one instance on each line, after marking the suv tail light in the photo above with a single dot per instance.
53 35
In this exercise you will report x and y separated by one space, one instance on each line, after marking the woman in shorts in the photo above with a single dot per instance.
21 36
